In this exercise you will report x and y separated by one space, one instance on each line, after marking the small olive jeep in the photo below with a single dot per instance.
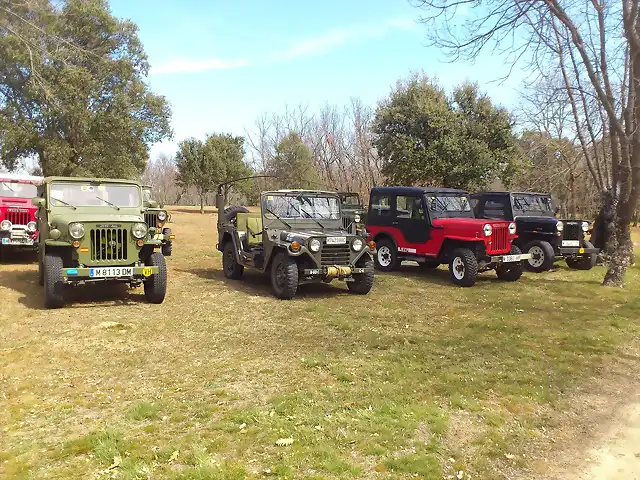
156 216
353 213
297 238
93 230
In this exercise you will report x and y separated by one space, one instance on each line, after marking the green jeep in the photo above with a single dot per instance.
296 238
93 230
353 213
156 216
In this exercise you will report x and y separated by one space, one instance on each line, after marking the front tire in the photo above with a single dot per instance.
542 256
232 269
463 267
167 248
586 262
284 276
53 284
363 282
386 258
155 287
510 272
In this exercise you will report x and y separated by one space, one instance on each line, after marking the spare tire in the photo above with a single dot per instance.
231 212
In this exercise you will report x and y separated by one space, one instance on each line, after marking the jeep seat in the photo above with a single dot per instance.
251 224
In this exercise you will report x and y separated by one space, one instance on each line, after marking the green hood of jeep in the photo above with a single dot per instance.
92 218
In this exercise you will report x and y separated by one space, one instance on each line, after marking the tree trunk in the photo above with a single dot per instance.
201 203
622 255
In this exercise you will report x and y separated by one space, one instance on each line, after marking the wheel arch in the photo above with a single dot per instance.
451 244
385 236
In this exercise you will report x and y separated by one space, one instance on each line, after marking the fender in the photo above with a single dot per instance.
387 236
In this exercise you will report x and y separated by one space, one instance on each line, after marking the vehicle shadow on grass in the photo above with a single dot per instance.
19 257
92 295
254 283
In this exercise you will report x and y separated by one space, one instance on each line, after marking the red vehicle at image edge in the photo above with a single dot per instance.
18 224
435 226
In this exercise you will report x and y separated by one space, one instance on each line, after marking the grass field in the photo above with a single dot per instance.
418 379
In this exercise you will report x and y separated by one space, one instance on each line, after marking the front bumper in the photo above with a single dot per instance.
127 273
342 271
577 251
501 259
18 239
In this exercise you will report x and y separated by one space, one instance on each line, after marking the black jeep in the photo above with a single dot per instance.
540 233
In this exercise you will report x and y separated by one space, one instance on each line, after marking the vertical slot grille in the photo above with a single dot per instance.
108 244
499 238
335 255
151 219
571 231
18 218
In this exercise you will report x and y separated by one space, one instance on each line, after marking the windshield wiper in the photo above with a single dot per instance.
308 215
8 186
108 202
64 203
276 215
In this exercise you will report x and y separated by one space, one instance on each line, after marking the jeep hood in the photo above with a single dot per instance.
17 203
291 235
462 226
66 218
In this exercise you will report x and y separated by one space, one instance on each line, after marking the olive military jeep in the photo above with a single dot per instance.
296 238
156 216
93 230
542 235
353 213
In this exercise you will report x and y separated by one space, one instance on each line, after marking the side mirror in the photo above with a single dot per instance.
153 204
38 201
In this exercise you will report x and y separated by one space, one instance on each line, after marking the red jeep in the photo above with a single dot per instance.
433 226
18 225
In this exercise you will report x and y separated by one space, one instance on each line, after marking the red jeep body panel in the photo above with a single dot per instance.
19 211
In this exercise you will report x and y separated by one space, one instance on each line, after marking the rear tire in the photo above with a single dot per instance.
542 256
363 282
284 276
232 269
155 287
463 267
586 262
386 257
513 271
53 284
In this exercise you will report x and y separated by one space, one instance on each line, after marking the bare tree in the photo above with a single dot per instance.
596 47
160 174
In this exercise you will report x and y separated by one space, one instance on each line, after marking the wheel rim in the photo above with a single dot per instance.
537 256
458 268
384 256
281 275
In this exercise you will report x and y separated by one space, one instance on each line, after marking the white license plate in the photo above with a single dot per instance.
511 258
570 243
336 240
108 272
5 241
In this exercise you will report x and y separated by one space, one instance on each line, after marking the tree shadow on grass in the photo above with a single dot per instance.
255 283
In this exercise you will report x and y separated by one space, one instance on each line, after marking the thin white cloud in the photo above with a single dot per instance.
195 66
311 46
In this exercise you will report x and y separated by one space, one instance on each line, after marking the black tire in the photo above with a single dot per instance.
429 264
155 287
284 276
542 258
386 257
586 262
463 267
53 284
513 271
230 266
167 248
231 212
363 282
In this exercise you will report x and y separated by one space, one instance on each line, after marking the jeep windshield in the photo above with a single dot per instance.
533 205
146 194
446 206
17 190
300 206
94 195
350 200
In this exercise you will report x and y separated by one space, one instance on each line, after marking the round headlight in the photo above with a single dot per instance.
559 226
585 227
488 230
512 228
162 215
32 227
314 245
356 218
76 230
357 245
5 225
139 230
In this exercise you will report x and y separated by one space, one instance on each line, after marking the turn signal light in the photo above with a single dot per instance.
172 236
84 249
140 243
295 246
76 244
372 245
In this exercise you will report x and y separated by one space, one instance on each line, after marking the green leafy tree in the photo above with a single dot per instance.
425 137
204 165
72 90
293 164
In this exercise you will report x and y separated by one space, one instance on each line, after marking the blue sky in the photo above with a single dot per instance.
221 64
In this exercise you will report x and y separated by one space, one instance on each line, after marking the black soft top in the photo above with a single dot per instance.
496 192
416 190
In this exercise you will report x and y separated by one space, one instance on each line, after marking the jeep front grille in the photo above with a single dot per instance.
108 244
571 231
19 218
335 255
500 238
348 224
151 219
